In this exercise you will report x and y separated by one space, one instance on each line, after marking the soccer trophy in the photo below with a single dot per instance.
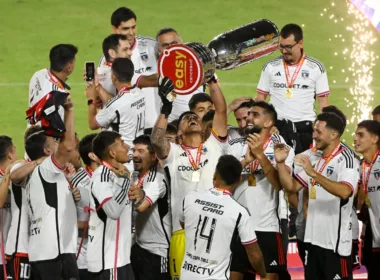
191 65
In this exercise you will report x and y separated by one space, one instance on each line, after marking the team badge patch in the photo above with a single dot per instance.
270 156
144 56
204 150
329 171
305 74
377 174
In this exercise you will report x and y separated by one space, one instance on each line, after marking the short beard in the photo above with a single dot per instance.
252 130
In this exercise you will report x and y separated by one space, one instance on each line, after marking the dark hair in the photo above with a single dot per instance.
174 123
5 146
247 104
183 115
120 15
35 145
31 130
123 69
60 55
171 129
165 31
209 116
290 29
333 121
333 109
148 131
112 42
268 109
198 98
85 147
376 111
229 169
144 140
102 141
371 126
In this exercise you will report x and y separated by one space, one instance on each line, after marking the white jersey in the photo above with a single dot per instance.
82 181
42 83
336 234
282 206
153 226
374 197
18 236
181 171
310 82
52 212
5 220
233 133
125 114
262 199
145 63
213 221
108 236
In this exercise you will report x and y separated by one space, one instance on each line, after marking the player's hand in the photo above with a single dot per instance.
76 194
165 88
237 102
69 171
213 80
91 92
136 193
249 157
274 130
304 162
96 80
281 152
121 171
256 146
68 104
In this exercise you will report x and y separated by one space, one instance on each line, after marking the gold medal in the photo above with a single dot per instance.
196 176
289 93
313 193
252 180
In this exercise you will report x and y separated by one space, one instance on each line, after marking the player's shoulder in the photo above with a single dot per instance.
80 178
102 61
156 174
241 141
144 41
274 62
348 157
102 174
236 206
114 101
314 63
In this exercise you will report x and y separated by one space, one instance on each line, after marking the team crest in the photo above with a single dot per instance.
270 156
377 174
144 56
204 150
329 171
305 74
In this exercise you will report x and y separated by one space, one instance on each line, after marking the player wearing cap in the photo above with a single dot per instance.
213 221
367 142
331 172
192 163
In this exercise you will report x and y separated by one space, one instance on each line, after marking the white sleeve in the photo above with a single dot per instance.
301 176
15 167
348 172
322 84
105 117
154 190
136 79
82 215
264 82
289 160
170 158
217 141
246 230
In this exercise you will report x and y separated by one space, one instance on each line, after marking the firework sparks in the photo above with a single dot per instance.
362 59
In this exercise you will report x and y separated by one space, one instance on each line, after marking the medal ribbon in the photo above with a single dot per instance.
255 164
194 164
335 152
365 177
141 179
295 74
89 171
124 90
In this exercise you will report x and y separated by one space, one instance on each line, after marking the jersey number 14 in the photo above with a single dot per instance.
202 233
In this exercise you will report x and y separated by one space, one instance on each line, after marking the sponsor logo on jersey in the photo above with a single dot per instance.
377 174
190 168
295 86
144 56
197 269
305 74
143 70
329 171
278 74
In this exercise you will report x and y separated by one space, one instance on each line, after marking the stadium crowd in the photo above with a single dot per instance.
166 189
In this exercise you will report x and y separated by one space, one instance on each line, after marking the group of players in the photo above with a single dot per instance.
170 191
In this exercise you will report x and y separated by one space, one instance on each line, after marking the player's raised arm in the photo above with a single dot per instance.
220 118
160 144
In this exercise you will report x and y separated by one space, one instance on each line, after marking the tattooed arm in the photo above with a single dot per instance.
160 144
